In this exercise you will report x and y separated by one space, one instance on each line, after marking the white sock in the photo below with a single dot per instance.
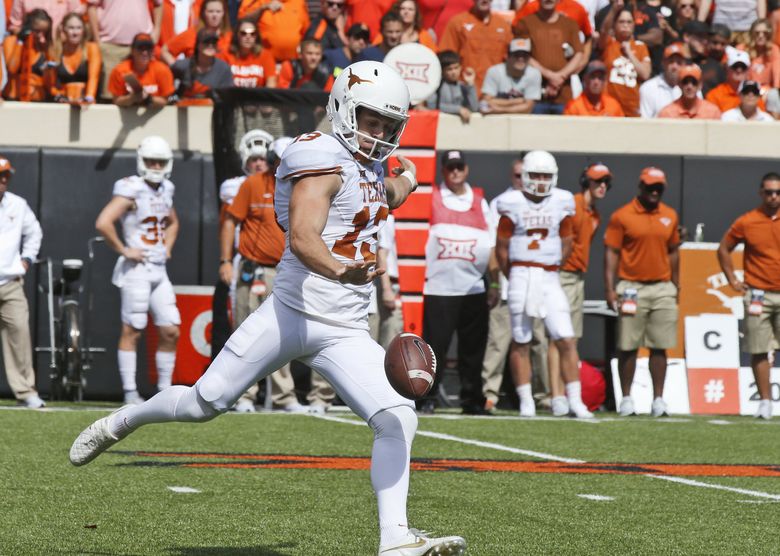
127 370
574 392
524 393
165 361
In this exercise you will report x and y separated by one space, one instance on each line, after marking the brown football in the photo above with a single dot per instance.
410 366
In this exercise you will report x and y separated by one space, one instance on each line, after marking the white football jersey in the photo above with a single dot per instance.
536 237
229 189
356 214
143 227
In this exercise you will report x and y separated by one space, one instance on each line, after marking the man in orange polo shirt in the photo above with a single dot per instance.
689 105
595 181
480 37
594 101
726 95
759 231
642 244
571 9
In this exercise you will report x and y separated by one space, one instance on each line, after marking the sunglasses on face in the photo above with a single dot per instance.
247 33
209 42
764 32
144 48
771 192
603 181
654 188
335 4
683 6
459 166
5 175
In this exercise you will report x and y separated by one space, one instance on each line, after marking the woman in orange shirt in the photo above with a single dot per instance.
77 72
251 64
764 56
28 58
214 18
412 21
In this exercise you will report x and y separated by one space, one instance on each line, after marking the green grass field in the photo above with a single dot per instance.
525 499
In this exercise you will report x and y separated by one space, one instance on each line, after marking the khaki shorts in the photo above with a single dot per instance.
761 330
573 284
655 323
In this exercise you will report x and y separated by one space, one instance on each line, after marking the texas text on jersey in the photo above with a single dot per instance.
356 214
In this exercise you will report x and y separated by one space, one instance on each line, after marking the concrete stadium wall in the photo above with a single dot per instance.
67 162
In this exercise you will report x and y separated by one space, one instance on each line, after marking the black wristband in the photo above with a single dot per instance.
223 261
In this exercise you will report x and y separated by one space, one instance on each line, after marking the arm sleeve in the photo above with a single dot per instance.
491 222
490 84
674 238
180 43
470 100
116 85
447 103
31 235
613 237
736 233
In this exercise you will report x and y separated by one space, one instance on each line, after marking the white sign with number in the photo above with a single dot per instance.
711 342
675 387
748 392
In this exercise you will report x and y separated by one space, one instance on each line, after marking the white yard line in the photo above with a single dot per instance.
597 497
184 490
691 482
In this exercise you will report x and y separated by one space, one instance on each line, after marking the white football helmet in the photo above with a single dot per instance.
154 147
254 143
539 162
377 87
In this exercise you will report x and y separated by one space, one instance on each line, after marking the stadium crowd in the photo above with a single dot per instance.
708 59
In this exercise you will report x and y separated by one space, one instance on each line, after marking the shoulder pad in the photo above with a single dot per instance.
313 153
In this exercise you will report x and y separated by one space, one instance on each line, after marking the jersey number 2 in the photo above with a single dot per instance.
347 246
536 235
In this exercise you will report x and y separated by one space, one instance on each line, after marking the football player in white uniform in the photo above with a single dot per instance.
534 236
144 206
331 199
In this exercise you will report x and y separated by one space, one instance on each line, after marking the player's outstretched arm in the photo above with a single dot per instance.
402 184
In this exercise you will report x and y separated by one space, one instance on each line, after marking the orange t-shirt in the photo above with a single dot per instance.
167 31
622 79
702 110
584 224
423 37
29 78
761 235
643 238
479 44
157 80
260 239
184 43
570 8
725 98
369 12
282 31
581 106
250 71
766 69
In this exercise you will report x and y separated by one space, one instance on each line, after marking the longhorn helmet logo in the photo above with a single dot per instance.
355 80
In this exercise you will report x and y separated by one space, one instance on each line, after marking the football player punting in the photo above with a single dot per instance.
331 199
534 235
144 205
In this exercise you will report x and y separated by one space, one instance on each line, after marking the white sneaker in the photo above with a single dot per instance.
560 406
417 543
317 409
33 402
580 411
627 407
528 408
764 410
244 406
93 441
295 407
659 408
132 397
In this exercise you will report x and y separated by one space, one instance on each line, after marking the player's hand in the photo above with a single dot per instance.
133 254
388 299
469 76
360 273
493 297
226 273
738 286
406 165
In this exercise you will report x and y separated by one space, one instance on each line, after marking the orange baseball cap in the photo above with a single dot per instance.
690 71
652 176
598 171
5 165
675 49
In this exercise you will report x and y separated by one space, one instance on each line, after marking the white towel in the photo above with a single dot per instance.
534 296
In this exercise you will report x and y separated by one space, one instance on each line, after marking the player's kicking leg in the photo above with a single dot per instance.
256 349
364 388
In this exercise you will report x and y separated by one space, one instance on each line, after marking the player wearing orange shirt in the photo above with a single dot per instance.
594 101
140 79
282 24
759 231
251 64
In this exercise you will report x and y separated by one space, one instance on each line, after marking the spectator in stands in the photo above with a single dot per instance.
642 249
556 53
21 241
282 24
202 73
726 95
411 18
479 37
3 71
357 40
213 17
764 56
308 71
713 67
455 297
663 89
57 10
177 16
78 60
758 231
438 13
690 104
696 35
628 61
330 26
773 103
514 86
684 11
574 11
748 110
140 80
391 318
646 27
115 23
250 63
737 15
594 100
369 13
453 95
27 58
392 27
